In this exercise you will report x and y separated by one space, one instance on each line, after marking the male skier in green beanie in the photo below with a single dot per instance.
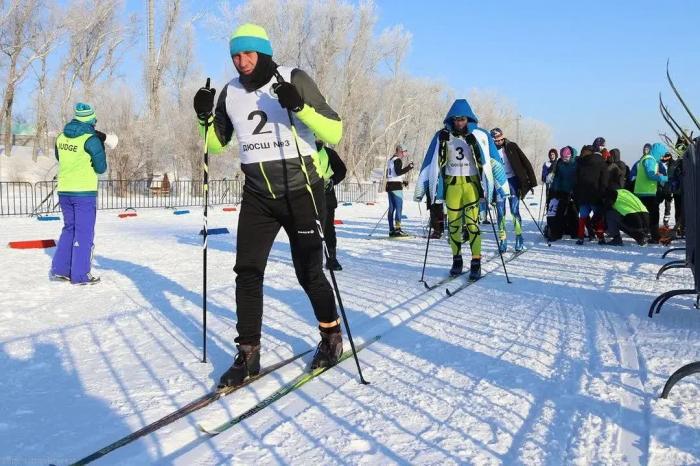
254 106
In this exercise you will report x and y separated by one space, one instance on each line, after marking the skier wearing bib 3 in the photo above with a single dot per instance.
462 168
254 106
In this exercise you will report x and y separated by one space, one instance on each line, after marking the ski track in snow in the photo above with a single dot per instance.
560 367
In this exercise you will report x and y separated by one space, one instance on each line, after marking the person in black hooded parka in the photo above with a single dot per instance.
591 182
618 171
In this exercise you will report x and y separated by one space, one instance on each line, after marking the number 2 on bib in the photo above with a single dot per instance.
261 124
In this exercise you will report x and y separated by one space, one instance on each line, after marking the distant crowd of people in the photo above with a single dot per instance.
594 192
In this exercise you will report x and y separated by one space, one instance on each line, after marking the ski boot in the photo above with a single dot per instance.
519 245
579 241
247 363
457 265
398 232
503 245
615 241
475 270
328 350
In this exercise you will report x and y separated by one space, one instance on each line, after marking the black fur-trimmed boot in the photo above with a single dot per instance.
246 364
328 350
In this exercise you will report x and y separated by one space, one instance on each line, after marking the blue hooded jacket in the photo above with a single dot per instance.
431 179
651 164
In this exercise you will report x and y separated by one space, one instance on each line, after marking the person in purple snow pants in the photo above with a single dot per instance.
81 157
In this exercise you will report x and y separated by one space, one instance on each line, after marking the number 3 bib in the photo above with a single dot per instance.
460 159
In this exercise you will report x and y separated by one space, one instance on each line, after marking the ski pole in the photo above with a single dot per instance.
420 213
48 196
425 259
205 187
536 224
378 222
539 214
495 235
543 217
323 239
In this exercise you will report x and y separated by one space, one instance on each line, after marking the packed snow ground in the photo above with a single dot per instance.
560 367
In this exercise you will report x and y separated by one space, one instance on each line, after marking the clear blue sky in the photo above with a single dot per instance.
587 69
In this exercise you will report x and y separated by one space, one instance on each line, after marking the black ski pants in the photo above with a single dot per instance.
679 214
636 225
652 205
258 224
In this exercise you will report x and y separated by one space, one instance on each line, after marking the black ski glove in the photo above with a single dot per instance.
288 96
102 136
204 101
410 166
329 186
444 135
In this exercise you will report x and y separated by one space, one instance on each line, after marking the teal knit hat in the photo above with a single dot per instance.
85 113
250 38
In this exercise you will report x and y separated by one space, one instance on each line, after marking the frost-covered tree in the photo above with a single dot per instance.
25 37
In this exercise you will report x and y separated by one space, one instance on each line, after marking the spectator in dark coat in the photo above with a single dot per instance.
561 212
663 192
521 176
618 171
521 179
548 166
591 182
675 179
599 146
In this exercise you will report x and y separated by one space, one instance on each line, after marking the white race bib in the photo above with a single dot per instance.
460 158
262 126
391 174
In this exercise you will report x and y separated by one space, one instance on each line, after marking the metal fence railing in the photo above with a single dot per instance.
23 198
16 198
45 198
356 192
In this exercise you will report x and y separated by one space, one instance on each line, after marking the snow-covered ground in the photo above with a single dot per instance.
560 367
